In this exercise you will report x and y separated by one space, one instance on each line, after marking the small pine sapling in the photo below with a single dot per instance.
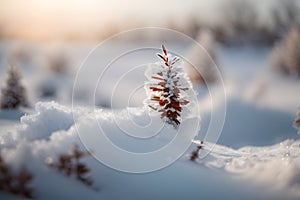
15 182
70 164
13 94
167 88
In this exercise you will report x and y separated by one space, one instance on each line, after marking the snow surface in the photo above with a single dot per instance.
275 168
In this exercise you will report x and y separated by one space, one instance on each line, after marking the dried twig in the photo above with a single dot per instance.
70 164
15 183
195 154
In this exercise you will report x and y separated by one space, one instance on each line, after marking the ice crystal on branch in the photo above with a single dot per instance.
167 88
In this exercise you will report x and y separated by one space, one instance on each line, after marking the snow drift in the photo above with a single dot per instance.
51 130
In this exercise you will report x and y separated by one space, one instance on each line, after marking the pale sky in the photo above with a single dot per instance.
39 18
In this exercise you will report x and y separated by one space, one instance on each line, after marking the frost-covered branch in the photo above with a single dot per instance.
167 87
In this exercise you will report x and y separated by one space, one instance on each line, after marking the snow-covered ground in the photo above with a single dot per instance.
256 157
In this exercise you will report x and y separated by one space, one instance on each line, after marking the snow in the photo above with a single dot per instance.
258 164
49 117
254 164
256 157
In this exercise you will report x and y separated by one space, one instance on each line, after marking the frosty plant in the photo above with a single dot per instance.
15 182
13 94
167 88
70 164
195 154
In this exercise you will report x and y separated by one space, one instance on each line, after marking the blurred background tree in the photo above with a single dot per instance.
285 57
13 94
